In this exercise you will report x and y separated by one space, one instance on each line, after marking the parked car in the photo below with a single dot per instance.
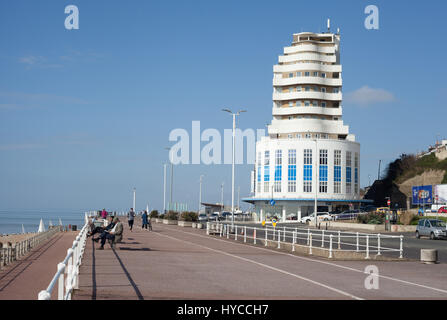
442 210
321 216
214 216
346 215
203 217
226 215
432 228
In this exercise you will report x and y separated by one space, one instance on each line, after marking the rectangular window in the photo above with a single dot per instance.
307 74
348 172
259 176
290 103
315 74
307 175
298 74
323 104
278 170
298 89
291 173
335 90
323 172
290 75
337 171
307 88
356 173
323 75
323 89
266 170
306 103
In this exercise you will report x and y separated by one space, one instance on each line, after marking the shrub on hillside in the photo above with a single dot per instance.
171 215
189 216
371 218
154 214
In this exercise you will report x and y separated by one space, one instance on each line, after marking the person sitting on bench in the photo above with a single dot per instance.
114 236
95 230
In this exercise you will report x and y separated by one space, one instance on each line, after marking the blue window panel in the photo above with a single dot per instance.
307 172
292 173
278 173
259 174
348 174
323 173
266 174
337 173
356 175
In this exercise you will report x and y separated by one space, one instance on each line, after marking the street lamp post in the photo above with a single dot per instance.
232 167
164 188
134 198
200 194
221 196
172 177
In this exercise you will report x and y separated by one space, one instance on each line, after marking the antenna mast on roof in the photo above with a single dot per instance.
328 25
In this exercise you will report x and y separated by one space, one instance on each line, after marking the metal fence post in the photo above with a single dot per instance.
279 238
245 234
266 230
228 232
254 235
293 240
378 245
310 243
367 246
308 235
330 246
322 238
60 292
339 242
208 228
357 242
284 235
401 250
235 232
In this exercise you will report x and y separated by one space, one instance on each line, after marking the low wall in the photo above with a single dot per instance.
400 228
185 223
360 226
165 221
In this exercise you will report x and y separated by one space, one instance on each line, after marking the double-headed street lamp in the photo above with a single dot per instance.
172 178
232 168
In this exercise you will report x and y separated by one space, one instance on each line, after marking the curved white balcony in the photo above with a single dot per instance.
309 47
307 67
307 110
307 80
311 125
307 56
307 95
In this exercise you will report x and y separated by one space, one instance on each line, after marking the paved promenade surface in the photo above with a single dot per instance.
172 262
25 278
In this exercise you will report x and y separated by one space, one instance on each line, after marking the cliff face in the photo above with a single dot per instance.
404 173
429 177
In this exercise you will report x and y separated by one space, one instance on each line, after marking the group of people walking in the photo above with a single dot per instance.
146 222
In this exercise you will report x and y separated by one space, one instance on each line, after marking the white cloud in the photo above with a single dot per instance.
368 96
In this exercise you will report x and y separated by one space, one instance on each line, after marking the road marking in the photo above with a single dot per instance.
265 266
324 262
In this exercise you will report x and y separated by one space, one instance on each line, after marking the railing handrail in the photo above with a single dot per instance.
69 265
318 237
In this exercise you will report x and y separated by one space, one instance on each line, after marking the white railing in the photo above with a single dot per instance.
329 241
13 252
70 268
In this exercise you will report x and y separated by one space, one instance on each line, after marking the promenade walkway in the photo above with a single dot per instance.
25 278
172 262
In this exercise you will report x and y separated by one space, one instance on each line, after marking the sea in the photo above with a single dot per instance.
11 221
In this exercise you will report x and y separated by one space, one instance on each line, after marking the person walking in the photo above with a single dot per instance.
144 220
131 218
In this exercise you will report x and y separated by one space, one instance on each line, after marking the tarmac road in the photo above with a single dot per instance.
172 262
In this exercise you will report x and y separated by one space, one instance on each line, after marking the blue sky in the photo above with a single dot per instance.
85 114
